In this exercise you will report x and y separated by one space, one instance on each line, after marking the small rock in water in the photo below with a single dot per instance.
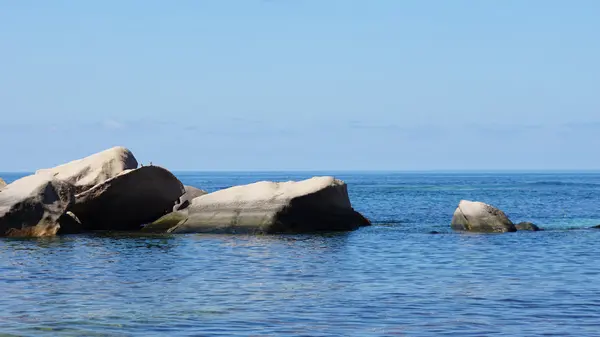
597 226
527 226
434 232
475 216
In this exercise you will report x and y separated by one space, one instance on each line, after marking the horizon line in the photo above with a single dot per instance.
363 171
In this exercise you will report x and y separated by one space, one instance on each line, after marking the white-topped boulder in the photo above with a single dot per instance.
475 216
316 204
32 206
90 171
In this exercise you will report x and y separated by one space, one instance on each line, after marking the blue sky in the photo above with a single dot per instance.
302 85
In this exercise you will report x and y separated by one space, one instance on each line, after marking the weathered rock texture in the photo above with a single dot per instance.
316 204
31 206
129 200
2 183
476 216
92 170
527 226
184 201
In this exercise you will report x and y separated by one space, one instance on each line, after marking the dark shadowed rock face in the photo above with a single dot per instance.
479 217
92 170
2 183
312 205
189 195
129 200
69 224
527 226
32 206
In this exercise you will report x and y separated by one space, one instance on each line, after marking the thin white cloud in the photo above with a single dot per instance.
111 124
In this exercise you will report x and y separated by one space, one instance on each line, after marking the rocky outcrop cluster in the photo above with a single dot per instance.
108 191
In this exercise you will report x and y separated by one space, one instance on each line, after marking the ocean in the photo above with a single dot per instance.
394 278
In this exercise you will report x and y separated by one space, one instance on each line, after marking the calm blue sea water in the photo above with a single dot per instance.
390 279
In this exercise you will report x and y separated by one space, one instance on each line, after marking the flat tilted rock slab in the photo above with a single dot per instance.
316 204
129 200
475 216
32 206
92 170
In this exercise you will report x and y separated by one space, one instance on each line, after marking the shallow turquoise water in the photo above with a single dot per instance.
392 278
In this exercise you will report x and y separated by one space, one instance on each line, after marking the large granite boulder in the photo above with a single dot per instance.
129 200
2 183
92 170
476 216
316 204
184 201
32 206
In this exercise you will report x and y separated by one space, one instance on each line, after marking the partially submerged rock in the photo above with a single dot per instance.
32 206
527 226
476 216
92 170
316 204
129 200
2 183
184 201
